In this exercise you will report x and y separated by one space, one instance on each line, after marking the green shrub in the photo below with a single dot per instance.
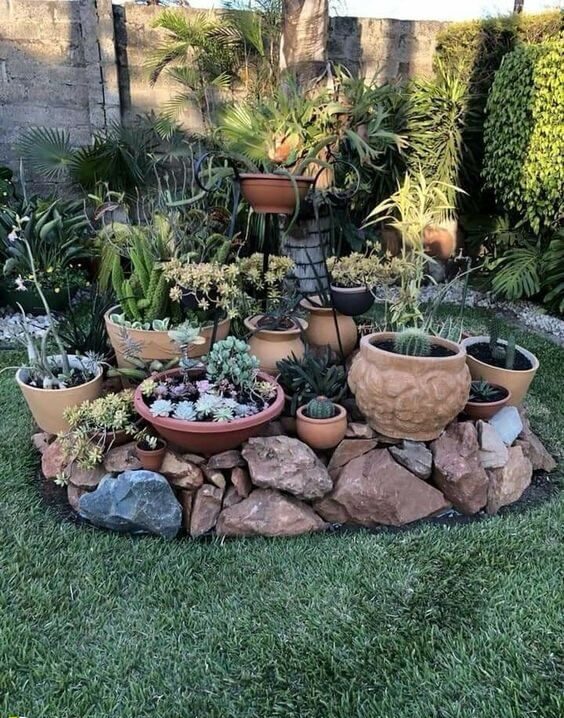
524 145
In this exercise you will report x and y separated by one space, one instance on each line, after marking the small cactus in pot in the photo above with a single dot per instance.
413 343
321 424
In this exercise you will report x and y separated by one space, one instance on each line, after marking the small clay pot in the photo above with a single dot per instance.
486 409
271 346
152 459
322 332
322 433
274 193
352 301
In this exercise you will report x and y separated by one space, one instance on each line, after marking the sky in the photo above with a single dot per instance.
422 9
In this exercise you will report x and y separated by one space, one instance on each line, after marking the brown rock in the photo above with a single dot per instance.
185 499
493 451
122 458
374 489
358 430
458 471
535 451
54 460
231 497
284 463
87 479
73 495
241 481
205 509
348 450
41 440
267 512
182 474
194 459
226 460
215 476
507 484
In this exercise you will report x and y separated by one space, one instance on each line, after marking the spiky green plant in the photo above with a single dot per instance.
412 342
320 408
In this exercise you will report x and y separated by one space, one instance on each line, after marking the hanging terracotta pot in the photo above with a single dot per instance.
322 331
271 346
274 193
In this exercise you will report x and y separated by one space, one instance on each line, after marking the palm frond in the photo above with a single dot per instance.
519 273
48 150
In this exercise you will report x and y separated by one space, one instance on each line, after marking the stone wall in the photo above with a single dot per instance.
79 64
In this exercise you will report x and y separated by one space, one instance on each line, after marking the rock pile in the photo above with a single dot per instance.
277 486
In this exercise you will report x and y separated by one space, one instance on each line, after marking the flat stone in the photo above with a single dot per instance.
87 479
267 512
205 509
216 477
415 457
287 464
134 502
122 458
241 481
226 460
73 495
493 451
231 497
41 440
458 471
359 430
508 424
348 450
185 499
535 451
373 489
506 485
181 473
54 460
194 459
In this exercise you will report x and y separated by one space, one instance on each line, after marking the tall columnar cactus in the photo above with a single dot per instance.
320 408
412 342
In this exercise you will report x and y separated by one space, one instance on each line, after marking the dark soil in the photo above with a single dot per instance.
437 350
541 489
278 324
482 352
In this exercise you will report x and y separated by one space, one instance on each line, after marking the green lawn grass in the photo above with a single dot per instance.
432 623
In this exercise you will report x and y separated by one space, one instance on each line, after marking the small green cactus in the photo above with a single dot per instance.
320 408
412 342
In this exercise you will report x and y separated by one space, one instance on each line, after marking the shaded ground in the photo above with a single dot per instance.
436 622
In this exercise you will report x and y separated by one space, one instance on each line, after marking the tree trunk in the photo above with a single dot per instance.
308 244
303 50
518 6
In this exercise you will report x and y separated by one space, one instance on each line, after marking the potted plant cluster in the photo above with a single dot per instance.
151 451
486 400
501 362
321 423
50 383
408 384
214 406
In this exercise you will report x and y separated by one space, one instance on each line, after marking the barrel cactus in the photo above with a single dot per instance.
412 342
320 408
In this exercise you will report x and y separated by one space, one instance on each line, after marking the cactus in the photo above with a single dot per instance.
510 352
495 331
320 408
412 342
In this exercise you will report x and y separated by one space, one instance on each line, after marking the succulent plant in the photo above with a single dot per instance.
412 342
320 408
230 360
483 391
185 410
161 407
504 353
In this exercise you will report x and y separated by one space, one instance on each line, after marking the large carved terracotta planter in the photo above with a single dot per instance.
409 397
271 346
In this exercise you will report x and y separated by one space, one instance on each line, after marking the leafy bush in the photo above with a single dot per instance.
524 145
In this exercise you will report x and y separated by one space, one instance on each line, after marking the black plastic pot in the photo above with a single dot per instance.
351 301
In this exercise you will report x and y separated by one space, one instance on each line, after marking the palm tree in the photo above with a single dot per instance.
304 38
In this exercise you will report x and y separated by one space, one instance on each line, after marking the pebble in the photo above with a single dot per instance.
11 326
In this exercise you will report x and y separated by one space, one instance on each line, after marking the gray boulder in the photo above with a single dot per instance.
134 502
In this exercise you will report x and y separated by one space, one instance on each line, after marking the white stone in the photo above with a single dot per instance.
508 424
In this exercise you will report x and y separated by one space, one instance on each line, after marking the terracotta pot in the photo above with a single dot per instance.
209 437
156 344
486 409
518 382
151 460
47 405
271 347
322 332
322 433
352 301
274 193
407 397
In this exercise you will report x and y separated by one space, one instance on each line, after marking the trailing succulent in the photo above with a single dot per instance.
320 408
412 342
231 388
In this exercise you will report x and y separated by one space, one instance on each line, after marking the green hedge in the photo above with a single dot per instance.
523 139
